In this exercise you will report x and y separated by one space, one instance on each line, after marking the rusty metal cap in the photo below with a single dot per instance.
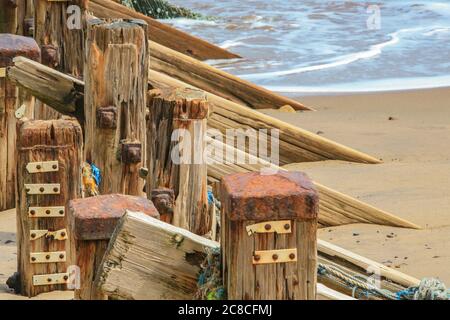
12 46
253 196
96 218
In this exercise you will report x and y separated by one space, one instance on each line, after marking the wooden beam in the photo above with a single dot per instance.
162 33
335 208
296 144
215 81
151 259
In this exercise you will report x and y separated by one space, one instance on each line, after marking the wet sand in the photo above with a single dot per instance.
410 131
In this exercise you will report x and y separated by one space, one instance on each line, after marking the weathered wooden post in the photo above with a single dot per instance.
176 144
48 167
268 236
25 18
8 20
91 224
11 99
58 29
116 80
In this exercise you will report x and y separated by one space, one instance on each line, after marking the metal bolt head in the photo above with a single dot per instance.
55 189
65 277
49 280
275 257
32 212
38 167
47 257
61 256
33 235
33 259
47 211
292 256
63 234
61 211
41 189
287 226
267 227
54 166
256 257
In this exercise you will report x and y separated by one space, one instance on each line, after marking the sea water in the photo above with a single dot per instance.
329 46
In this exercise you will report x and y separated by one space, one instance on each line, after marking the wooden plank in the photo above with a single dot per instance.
162 33
325 293
150 259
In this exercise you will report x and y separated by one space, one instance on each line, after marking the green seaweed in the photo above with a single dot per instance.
161 9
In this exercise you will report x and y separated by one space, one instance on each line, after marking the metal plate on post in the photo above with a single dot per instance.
53 235
279 226
49 279
43 166
2 72
275 256
47 257
43 188
48 212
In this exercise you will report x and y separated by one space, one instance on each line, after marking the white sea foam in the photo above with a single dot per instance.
372 52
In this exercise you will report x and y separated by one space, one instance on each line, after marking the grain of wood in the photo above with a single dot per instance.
57 140
150 259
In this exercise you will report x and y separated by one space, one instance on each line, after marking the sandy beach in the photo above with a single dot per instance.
410 132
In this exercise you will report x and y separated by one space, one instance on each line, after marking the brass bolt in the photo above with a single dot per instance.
267 227
287 226
292 256
275 257
256 257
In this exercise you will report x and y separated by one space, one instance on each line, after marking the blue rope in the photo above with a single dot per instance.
96 174
210 197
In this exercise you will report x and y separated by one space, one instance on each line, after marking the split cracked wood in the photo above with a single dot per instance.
115 102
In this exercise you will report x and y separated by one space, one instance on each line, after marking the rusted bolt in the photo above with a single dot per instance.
292 256
27 189
47 257
41 189
33 259
163 199
49 279
32 212
275 257
28 27
65 277
63 234
54 166
256 257
38 167
61 256
49 55
267 227
55 189
33 235
131 152
47 211
107 117
287 226
61 211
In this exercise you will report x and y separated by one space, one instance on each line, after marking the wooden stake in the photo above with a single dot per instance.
177 127
57 140
115 102
161 32
268 236
59 33
12 99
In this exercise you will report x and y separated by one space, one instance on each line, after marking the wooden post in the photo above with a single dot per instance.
268 236
151 259
11 99
48 167
177 126
60 35
91 224
25 18
116 80
8 20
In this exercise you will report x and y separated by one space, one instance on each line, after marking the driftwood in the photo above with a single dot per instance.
215 81
150 259
43 249
115 102
335 208
177 126
162 33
